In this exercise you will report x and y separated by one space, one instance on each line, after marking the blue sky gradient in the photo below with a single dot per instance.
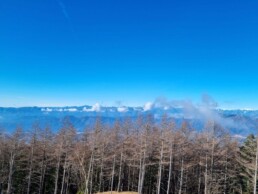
64 52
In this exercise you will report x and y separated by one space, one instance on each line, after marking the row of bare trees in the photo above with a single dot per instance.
137 155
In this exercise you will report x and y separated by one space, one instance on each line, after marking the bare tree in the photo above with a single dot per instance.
14 146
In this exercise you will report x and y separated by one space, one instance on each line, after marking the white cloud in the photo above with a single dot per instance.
47 109
122 109
148 106
95 108
71 109
239 136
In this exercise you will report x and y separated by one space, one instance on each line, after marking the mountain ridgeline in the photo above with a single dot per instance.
238 122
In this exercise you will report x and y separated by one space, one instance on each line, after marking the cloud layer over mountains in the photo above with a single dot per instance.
237 121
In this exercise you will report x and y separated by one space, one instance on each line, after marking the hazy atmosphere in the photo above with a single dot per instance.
128 97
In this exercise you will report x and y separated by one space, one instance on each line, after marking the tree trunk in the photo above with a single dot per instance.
255 168
170 167
42 174
113 173
10 176
199 180
142 169
225 176
57 174
86 191
91 177
206 175
64 176
181 176
68 180
30 168
160 165
101 174
43 166
120 172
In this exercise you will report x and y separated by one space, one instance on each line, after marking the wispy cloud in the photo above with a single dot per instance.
63 8
66 15
204 110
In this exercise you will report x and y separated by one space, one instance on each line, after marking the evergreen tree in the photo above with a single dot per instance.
247 163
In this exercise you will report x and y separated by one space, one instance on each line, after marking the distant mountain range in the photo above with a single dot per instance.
239 122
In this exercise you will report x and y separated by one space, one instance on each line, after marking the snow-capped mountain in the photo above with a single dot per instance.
240 122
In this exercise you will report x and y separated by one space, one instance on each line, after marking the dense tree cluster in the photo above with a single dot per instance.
138 155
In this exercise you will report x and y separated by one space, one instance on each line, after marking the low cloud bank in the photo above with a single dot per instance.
205 110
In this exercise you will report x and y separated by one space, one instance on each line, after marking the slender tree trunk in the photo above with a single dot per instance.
141 175
30 168
91 177
133 175
181 176
199 180
206 175
86 184
86 191
186 179
120 172
225 176
140 171
42 175
212 159
255 169
64 175
160 166
10 176
170 167
68 180
43 168
2 168
101 173
129 178
139 178
57 174
113 174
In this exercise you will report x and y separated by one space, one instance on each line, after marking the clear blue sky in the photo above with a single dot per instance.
75 52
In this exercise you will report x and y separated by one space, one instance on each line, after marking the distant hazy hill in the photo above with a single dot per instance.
239 122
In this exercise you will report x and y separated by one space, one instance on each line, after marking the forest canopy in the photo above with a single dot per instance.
129 155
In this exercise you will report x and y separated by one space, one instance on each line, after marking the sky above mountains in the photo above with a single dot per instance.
63 52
